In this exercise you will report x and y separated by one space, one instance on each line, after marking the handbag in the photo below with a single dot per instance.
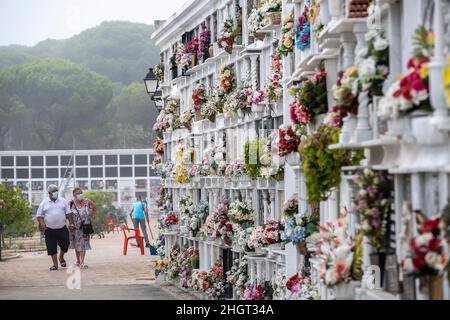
87 228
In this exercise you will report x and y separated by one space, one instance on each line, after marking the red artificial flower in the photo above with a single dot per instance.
294 280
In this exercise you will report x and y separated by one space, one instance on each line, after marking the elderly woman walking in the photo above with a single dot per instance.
83 211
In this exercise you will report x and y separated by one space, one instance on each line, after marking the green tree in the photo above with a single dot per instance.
15 212
103 200
62 97
133 107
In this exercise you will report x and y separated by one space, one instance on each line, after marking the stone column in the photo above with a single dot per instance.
265 204
272 204
254 72
349 43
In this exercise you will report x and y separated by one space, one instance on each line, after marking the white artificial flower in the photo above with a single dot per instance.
424 239
380 44
383 70
419 96
432 260
368 67
370 35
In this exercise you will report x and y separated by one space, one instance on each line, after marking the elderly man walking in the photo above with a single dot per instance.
52 215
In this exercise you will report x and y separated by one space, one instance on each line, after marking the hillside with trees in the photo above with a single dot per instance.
88 87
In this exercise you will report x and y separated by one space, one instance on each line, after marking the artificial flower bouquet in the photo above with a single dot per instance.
274 87
256 239
237 276
279 285
271 233
411 92
235 169
301 288
224 230
310 99
199 97
299 228
170 220
428 251
241 213
373 62
323 166
302 31
173 269
183 57
209 227
257 20
199 281
335 252
345 93
160 246
227 36
159 71
161 266
373 204
204 42
182 174
158 146
258 291
216 280
290 207
186 118
286 44
227 80
237 101
289 138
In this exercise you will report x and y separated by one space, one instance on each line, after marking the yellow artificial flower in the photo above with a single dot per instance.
288 42
352 71
446 77
424 71
430 38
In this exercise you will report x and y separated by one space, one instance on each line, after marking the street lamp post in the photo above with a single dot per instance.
151 85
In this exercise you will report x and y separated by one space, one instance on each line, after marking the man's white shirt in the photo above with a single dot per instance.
54 212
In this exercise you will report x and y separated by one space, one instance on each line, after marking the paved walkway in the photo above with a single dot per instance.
110 275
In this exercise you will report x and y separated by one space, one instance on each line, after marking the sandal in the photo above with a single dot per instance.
63 263
83 266
53 268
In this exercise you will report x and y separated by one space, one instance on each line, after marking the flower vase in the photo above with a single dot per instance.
275 18
193 60
211 50
257 109
259 36
229 49
434 285
301 248
228 241
212 118
198 116
173 227
398 126
293 159
347 129
344 290
260 251
218 241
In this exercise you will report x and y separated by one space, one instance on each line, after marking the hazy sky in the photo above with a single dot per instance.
27 22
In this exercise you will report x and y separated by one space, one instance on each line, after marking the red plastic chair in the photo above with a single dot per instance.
137 235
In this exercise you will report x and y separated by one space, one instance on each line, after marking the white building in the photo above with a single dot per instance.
412 149
125 173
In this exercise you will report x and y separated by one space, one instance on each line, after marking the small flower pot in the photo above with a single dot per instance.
345 290
434 286
275 18
293 159
301 248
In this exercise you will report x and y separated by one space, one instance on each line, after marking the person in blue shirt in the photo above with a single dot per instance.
139 215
